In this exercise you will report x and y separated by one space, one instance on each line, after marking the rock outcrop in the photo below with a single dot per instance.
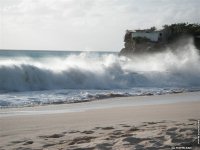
152 40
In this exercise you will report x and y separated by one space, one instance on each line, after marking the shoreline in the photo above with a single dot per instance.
102 104
156 126
95 97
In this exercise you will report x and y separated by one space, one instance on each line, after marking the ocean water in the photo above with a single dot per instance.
29 78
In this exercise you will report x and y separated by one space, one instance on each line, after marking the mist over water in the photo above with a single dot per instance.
97 73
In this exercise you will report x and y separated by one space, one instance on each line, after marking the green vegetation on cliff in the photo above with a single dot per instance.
153 40
180 29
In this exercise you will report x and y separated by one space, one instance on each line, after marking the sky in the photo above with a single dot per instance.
91 25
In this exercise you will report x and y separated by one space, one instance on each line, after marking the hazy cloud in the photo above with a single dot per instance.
85 24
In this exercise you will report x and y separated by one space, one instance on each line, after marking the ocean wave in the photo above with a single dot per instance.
107 71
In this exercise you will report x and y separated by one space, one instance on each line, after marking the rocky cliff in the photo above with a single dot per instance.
142 41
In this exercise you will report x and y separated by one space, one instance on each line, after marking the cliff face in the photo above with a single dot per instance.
142 41
133 45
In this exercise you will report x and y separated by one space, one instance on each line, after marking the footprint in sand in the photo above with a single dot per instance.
125 125
25 142
104 146
149 123
107 128
19 141
132 140
132 129
127 135
52 136
73 131
48 145
88 132
28 142
117 132
172 129
80 140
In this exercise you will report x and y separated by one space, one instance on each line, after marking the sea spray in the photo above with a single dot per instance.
107 71
96 75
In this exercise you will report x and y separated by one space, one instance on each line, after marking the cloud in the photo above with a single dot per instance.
85 24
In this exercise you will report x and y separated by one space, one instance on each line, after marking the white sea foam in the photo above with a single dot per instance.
107 71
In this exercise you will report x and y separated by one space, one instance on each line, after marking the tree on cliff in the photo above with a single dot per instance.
170 35
179 29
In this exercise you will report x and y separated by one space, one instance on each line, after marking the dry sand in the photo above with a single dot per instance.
158 126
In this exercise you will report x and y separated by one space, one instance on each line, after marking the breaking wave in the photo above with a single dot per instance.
87 70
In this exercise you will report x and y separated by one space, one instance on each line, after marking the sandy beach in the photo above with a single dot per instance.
99 75
143 122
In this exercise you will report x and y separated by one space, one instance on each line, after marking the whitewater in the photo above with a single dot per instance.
30 78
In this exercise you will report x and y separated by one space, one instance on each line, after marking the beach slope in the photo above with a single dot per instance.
155 125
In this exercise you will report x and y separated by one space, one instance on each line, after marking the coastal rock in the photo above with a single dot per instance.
152 40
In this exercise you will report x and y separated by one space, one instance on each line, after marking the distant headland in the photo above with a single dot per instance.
152 40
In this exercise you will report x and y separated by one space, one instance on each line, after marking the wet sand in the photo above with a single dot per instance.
145 126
